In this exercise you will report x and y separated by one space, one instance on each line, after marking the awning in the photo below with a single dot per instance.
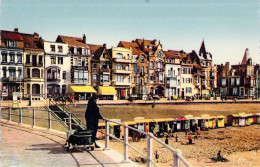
106 90
82 89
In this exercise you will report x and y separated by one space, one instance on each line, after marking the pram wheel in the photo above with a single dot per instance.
92 148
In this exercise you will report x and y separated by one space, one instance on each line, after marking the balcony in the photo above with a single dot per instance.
126 84
122 60
104 70
53 80
122 71
158 69
12 79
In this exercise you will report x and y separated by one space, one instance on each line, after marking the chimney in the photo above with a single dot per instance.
155 41
84 38
15 29
35 35
105 45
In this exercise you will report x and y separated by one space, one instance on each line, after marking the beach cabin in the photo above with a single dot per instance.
164 124
189 119
143 124
213 122
154 127
249 119
256 118
220 121
205 121
242 119
182 124
114 128
130 131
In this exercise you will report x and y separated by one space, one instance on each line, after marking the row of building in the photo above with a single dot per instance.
140 69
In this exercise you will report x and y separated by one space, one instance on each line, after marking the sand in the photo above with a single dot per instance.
239 145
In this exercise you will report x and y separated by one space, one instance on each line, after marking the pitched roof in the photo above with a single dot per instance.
203 54
11 35
97 50
72 41
246 57
32 41
135 48
172 54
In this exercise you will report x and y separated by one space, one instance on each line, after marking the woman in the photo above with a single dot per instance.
92 116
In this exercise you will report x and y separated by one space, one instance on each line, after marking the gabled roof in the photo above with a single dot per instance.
143 44
135 48
72 41
11 35
246 57
98 50
32 41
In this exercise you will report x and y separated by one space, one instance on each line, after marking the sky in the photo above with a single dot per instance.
227 27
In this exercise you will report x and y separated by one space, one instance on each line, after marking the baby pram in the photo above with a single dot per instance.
79 138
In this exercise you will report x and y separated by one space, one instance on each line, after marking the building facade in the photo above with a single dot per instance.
11 67
57 69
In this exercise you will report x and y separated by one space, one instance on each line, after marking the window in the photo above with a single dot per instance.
237 81
147 79
250 72
232 81
94 66
28 59
159 64
12 72
159 54
188 90
161 77
76 76
133 80
151 77
71 49
60 60
182 70
235 91
146 70
142 70
142 59
81 76
134 69
133 59
119 67
36 73
20 74
127 68
223 82
19 58
101 78
80 51
53 60
94 77
64 75
75 50
104 55
40 60
60 48
83 62
4 57
106 78
119 56
53 48
128 57
152 65
28 73
11 57
137 80
183 80
83 51
104 65
75 61
188 71
85 76
119 78
11 43
188 80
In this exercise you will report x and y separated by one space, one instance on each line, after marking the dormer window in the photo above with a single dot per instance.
142 59
53 48
104 55
11 43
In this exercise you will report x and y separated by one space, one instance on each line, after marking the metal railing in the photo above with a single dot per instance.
177 155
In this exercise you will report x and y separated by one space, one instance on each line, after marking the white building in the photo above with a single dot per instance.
57 68
172 74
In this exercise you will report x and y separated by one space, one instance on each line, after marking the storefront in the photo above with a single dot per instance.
107 93
82 92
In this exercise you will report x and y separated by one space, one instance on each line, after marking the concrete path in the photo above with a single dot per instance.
25 146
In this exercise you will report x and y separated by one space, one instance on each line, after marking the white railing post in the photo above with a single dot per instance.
9 114
149 150
49 118
20 116
176 159
33 117
107 135
125 143
70 122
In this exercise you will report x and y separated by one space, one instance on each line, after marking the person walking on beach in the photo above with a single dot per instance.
92 116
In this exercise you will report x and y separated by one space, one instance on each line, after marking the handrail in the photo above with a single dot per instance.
176 153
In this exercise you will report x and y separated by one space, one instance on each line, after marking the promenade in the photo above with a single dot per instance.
22 145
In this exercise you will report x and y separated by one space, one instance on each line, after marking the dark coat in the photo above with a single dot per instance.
92 115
